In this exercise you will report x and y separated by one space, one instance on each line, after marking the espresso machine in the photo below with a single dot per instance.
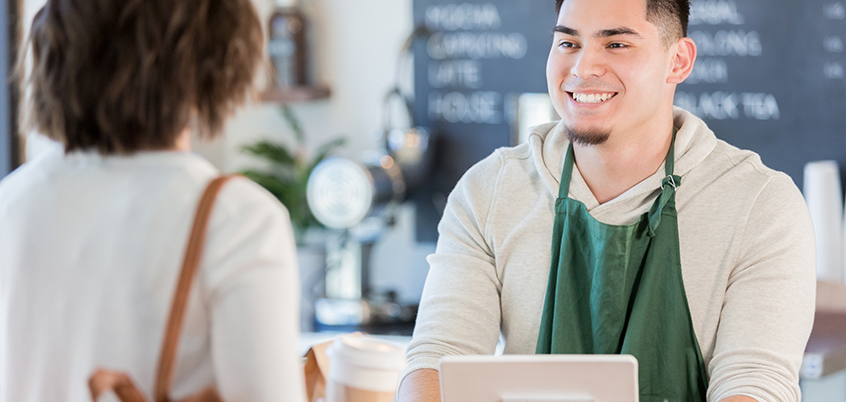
357 198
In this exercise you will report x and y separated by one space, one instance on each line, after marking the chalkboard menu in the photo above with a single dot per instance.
770 76
477 56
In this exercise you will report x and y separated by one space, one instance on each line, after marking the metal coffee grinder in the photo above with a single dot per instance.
357 200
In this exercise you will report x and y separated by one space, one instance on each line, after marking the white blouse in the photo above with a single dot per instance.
90 250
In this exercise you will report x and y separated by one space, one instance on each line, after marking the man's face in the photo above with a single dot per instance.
607 70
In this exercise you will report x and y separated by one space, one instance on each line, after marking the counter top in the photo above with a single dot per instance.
826 350
824 355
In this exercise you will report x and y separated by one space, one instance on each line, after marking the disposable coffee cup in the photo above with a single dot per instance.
823 194
363 369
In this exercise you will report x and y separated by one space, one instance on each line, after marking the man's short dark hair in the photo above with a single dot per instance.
119 76
670 16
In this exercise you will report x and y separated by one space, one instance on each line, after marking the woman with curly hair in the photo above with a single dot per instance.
92 234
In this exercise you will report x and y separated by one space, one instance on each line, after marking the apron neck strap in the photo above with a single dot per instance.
564 185
570 159
670 159
668 189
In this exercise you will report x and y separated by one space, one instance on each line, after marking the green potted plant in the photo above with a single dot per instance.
290 168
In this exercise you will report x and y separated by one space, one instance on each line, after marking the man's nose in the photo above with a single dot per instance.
588 64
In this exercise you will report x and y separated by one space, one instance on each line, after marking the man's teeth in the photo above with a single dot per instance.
591 98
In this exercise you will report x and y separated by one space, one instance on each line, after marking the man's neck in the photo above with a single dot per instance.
612 168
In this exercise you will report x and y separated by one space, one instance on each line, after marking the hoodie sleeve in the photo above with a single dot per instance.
768 308
460 307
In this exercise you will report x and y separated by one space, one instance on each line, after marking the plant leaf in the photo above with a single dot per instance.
328 147
281 189
293 123
275 153
288 179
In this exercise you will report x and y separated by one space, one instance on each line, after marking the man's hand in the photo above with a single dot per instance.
422 386
739 398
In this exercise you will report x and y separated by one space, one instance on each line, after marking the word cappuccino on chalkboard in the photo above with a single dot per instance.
463 37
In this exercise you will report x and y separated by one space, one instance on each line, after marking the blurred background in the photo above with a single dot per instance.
372 109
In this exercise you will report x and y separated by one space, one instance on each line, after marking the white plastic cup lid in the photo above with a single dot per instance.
365 362
286 3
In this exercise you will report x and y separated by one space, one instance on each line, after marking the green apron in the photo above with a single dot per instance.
619 290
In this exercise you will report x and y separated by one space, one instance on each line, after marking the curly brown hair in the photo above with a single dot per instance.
119 76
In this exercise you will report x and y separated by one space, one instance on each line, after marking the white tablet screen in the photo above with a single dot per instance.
539 378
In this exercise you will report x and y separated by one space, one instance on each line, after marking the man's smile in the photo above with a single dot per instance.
591 98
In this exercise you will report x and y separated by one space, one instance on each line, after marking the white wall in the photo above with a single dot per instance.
354 48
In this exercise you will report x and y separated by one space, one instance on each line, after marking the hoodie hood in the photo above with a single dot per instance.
549 142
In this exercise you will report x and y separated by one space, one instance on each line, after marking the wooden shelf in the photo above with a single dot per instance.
295 94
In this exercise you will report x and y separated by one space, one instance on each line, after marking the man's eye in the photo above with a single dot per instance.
617 46
567 44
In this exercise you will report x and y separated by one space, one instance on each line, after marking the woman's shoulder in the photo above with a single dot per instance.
242 197
19 183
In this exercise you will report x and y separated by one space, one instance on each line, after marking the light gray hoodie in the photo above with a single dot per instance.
746 243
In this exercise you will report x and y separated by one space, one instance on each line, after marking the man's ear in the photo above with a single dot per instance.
684 55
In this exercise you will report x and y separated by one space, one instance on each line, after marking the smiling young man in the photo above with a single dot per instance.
667 243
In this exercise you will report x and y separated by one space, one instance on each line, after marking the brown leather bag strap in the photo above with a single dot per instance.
104 380
193 253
